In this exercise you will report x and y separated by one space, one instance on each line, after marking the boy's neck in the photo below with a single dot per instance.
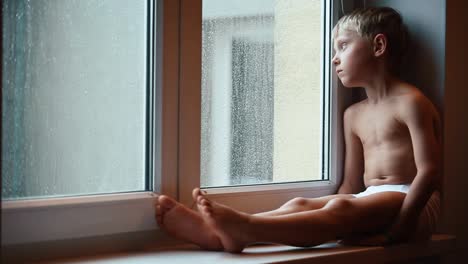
380 87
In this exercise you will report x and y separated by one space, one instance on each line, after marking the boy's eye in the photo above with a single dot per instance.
343 45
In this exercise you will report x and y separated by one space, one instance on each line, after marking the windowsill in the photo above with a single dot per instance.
330 253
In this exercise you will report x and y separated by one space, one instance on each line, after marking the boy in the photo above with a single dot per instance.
392 161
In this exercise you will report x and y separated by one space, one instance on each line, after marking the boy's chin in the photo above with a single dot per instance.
348 83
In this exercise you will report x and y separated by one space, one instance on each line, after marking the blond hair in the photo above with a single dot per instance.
371 21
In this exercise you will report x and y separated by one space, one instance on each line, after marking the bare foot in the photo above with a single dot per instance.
185 224
230 225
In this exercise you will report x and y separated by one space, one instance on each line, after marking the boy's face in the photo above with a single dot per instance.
353 58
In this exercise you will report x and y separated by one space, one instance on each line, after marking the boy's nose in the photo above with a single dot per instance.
335 60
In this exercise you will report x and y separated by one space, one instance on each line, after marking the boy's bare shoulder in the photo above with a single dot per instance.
354 110
351 117
413 104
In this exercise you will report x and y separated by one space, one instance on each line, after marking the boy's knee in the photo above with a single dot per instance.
296 202
339 206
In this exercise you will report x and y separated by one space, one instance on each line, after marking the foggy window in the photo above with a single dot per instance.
74 84
262 92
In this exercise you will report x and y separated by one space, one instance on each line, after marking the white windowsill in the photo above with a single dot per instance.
439 245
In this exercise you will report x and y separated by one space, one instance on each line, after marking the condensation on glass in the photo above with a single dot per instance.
74 97
261 92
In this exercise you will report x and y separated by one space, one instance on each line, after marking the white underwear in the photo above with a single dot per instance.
404 188
429 216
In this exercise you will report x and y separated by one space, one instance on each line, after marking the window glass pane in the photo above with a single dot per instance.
73 97
261 91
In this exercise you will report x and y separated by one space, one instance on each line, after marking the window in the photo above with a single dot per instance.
173 111
75 85
76 117
262 116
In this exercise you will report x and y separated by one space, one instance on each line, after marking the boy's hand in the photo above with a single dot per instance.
402 230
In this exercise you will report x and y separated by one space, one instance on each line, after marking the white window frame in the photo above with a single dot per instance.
176 149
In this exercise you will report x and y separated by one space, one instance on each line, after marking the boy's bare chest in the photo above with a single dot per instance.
380 126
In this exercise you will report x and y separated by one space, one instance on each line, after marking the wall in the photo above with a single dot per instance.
455 205
425 61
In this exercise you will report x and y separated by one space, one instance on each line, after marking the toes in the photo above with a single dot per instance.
202 201
199 199
159 210
205 202
162 206
166 203
156 202
195 193
205 206
207 210
159 215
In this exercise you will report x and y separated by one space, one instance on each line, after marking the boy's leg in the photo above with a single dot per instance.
294 205
185 224
301 204
339 217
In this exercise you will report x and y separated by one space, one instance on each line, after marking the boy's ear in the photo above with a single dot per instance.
380 44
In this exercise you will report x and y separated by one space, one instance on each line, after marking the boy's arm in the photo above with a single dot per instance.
354 160
422 121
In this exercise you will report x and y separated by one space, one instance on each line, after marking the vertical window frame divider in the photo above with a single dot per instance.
190 98
167 98
338 96
341 97
152 114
